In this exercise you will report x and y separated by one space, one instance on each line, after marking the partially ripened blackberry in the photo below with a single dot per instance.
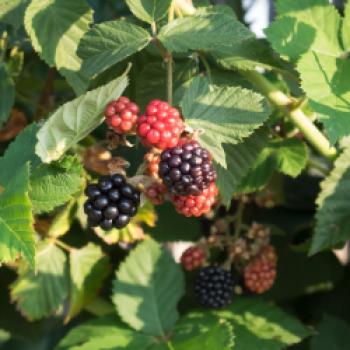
111 202
186 169
214 287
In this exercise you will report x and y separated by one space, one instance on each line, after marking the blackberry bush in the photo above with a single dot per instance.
186 169
214 287
271 116
111 202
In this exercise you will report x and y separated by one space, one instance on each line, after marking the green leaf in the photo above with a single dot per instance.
109 43
147 289
39 293
324 79
333 333
287 156
16 221
12 12
262 325
247 55
54 184
88 269
202 331
226 115
149 10
239 158
106 333
211 31
152 79
346 27
7 94
305 25
332 218
55 29
76 119
20 151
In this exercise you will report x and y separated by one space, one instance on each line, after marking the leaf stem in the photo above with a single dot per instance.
312 134
206 65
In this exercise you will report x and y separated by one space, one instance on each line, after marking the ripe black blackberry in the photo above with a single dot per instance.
186 169
214 287
111 202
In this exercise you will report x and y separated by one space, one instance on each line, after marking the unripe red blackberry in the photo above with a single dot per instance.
186 169
156 193
160 126
111 202
260 273
196 205
121 115
214 287
193 258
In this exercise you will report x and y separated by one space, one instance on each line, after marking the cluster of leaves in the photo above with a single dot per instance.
254 145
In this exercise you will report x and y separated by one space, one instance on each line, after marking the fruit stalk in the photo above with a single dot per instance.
312 134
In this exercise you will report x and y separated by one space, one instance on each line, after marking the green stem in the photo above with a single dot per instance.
312 134
169 60
170 345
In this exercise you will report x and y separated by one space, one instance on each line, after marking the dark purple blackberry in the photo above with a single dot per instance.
214 287
111 202
186 169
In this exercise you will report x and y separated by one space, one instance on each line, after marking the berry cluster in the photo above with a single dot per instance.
111 202
196 205
214 287
260 273
187 169
160 126
184 168
121 115
193 258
